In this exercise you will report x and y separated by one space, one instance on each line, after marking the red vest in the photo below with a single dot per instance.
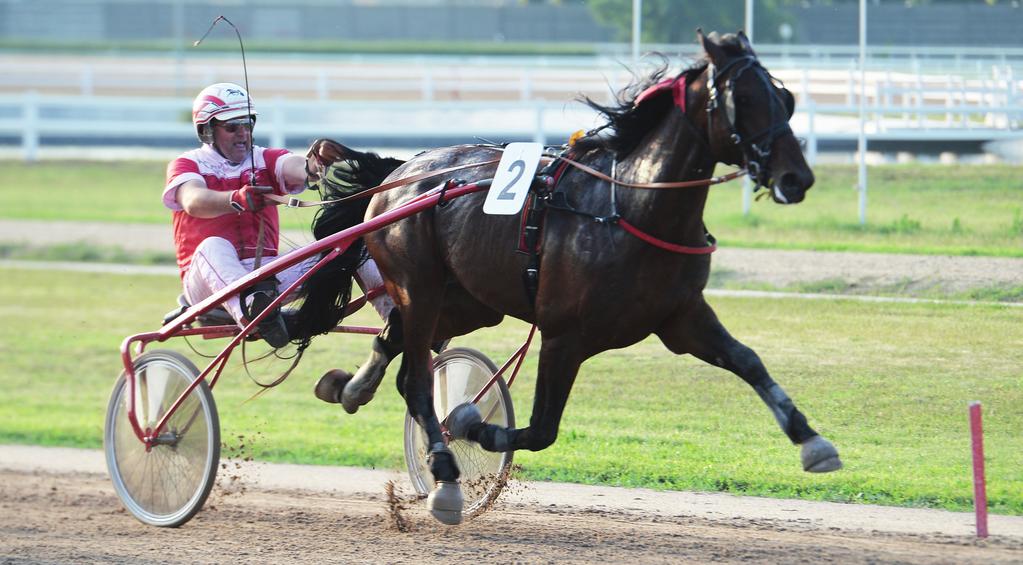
221 175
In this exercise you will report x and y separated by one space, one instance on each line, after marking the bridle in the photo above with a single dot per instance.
756 148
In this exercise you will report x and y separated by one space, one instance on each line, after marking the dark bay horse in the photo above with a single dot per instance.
453 269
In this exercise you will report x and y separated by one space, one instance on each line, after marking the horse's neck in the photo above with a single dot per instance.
672 151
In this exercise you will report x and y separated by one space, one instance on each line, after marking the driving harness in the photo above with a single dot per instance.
544 195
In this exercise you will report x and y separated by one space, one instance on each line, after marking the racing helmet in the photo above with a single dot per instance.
223 101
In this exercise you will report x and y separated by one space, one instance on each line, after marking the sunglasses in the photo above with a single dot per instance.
233 126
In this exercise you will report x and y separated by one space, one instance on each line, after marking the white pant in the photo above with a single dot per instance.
215 265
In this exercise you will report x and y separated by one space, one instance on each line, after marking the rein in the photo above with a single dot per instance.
293 202
656 185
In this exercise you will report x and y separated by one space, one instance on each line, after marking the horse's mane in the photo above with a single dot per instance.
629 122
328 290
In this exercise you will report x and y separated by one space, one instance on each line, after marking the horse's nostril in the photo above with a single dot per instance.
788 181
791 186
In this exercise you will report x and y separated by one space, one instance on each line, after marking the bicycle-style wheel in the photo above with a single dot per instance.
458 375
167 484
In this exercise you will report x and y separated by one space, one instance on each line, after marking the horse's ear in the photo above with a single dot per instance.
744 41
713 50
788 100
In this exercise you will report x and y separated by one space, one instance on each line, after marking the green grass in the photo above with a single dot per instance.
888 383
933 209
128 192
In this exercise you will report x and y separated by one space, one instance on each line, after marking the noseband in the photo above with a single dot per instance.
756 149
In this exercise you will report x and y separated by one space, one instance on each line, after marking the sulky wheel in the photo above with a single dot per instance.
167 484
458 375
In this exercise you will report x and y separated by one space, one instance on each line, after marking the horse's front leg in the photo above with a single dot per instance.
416 378
558 366
698 331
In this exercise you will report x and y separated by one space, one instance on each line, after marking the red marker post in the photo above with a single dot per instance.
979 485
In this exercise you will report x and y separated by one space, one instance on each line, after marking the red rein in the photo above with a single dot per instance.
661 244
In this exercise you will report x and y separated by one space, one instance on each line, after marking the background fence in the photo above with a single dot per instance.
397 102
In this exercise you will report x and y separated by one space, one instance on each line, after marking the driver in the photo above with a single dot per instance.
222 218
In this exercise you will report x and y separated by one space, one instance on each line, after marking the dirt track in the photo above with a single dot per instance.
59 509
61 515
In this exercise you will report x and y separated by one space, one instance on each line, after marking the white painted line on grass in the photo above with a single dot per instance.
82 267
121 269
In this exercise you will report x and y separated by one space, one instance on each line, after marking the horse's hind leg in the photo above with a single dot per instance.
559 363
699 332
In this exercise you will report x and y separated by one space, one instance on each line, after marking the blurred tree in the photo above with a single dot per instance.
675 21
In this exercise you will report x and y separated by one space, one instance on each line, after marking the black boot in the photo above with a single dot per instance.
272 328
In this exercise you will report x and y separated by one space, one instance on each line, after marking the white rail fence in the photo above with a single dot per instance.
827 80
31 119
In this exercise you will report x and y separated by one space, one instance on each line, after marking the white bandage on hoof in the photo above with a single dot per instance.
463 417
445 503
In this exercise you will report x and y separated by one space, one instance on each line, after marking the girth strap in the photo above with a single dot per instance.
558 201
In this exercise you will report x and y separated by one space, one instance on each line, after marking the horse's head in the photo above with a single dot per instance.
748 118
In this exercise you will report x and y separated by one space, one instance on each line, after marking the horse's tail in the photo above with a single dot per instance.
328 290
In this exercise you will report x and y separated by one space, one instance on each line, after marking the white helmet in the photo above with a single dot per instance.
223 101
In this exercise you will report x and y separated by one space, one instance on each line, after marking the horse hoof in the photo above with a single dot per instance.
351 403
360 390
462 418
445 503
820 456
357 393
330 385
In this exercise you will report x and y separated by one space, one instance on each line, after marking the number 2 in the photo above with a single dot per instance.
506 193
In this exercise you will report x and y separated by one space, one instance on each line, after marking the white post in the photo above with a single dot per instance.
539 135
804 86
749 20
811 138
427 86
862 142
178 31
526 86
851 91
322 88
747 185
919 100
30 127
87 81
277 138
637 28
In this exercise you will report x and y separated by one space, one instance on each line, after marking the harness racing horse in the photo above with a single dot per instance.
453 269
